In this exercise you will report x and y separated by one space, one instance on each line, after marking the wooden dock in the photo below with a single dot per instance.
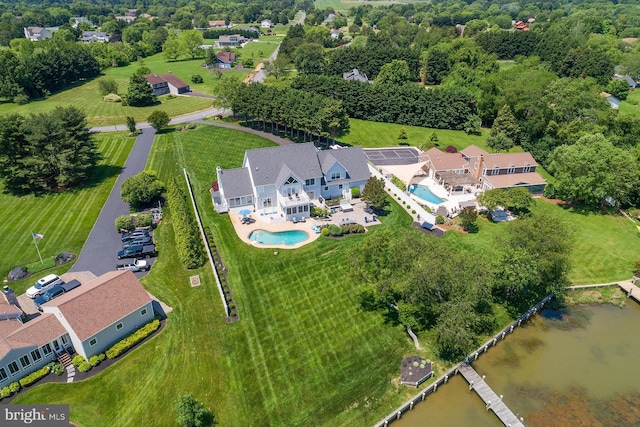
627 286
489 397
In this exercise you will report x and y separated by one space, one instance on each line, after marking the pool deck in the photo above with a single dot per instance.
452 201
243 230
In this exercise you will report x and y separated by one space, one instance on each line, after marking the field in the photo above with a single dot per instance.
344 5
630 105
376 134
64 219
302 353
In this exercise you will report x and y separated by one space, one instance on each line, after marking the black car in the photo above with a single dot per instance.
143 240
135 234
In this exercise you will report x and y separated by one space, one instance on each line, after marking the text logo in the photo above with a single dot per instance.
35 415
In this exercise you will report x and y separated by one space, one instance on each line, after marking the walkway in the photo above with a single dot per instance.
627 286
99 253
187 118
489 397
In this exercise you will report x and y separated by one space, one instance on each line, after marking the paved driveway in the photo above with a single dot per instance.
99 253
392 156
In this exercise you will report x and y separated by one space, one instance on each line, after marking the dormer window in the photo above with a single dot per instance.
512 169
291 180
335 175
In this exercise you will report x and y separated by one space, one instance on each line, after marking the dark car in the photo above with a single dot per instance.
54 292
142 240
135 234
138 251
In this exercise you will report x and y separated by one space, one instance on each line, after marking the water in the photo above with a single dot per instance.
290 237
425 193
577 367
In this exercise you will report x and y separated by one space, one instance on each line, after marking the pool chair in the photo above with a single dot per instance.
302 219
366 220
294 219
374 218
274 211
264 212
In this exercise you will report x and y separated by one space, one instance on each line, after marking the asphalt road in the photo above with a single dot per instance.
99 254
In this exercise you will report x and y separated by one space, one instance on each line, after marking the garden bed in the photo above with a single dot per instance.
22 272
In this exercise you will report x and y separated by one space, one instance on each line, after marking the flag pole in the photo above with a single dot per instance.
36 243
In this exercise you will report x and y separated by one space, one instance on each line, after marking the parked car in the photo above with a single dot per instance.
43 285
134 234
137 265
138 251
55 292
143 240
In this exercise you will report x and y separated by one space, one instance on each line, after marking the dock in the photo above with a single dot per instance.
490 398
631 290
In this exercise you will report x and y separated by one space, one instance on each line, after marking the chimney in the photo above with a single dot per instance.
480 166
9 296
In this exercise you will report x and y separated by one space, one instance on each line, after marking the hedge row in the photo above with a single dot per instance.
188 243
34 376
133 339
129 222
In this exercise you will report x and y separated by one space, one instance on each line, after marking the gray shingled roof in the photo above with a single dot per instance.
352 158
235 182
267 163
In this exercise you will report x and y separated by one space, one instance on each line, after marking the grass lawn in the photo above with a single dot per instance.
377 134
64 219
630 105
605 245
301 354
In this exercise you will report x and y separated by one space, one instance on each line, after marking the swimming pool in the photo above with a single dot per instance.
425 194
290 237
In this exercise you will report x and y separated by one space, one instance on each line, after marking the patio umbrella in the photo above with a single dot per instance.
245 212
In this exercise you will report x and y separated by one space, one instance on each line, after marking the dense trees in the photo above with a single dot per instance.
45 152
592 169
517 200
187 237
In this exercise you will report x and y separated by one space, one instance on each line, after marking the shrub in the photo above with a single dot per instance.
107 85
34 376
355 192
439 219
232 306
95 360
14 387
550 191
17 273
402 134
334 230
78 360
21 99
197 78
84 367
141 188
413 211
124 223
228 298
5 392
123 345
56 368
144 220
398 182
451 149
188 243
324 232
112 97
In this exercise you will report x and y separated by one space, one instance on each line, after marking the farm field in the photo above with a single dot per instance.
64 219
302 353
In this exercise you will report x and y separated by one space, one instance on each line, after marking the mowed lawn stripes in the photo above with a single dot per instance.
65 219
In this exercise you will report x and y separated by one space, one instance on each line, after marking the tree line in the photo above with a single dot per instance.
442 108
295 110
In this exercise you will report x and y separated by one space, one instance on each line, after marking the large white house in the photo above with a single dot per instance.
89 319
285 181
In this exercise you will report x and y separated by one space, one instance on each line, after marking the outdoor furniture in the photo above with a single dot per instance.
294 219
366 220
374 218
302 219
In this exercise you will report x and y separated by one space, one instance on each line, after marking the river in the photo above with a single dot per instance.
563 368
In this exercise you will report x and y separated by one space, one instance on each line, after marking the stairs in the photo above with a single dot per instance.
64 359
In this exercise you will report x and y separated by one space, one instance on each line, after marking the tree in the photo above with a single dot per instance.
158 119
402 134
374 194
141 189
192 40
173 47
468 218
499 142
131 124
107 85
592 169
618 88
280 65
309 58
191 413
140 93
395 72
505 130
46 152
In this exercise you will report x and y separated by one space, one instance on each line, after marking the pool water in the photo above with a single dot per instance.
290 237
425 194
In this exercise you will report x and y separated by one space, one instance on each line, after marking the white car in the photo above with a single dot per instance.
43 285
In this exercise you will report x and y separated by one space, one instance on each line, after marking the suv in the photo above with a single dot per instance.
134 234
142 240
43 285
52 293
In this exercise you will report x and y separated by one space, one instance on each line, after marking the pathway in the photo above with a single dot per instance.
627 286
71 373
98 254
186 118
490 398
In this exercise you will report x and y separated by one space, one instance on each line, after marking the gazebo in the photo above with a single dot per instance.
455 182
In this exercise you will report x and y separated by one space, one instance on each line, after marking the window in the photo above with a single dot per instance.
3 374
512 169
46 349
266 202
340 187
13 368
306 208
335 175
496 171
119 326
291 180
143 312
65 339
326 188
24 361
56 345
35 355
93 342
311 181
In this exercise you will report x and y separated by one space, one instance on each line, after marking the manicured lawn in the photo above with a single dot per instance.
376 134
302 353
630 105
605 248
64 219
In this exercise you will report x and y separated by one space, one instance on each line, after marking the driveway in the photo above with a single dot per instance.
99 253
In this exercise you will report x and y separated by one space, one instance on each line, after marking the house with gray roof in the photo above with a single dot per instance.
355 74
37 33
285 181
